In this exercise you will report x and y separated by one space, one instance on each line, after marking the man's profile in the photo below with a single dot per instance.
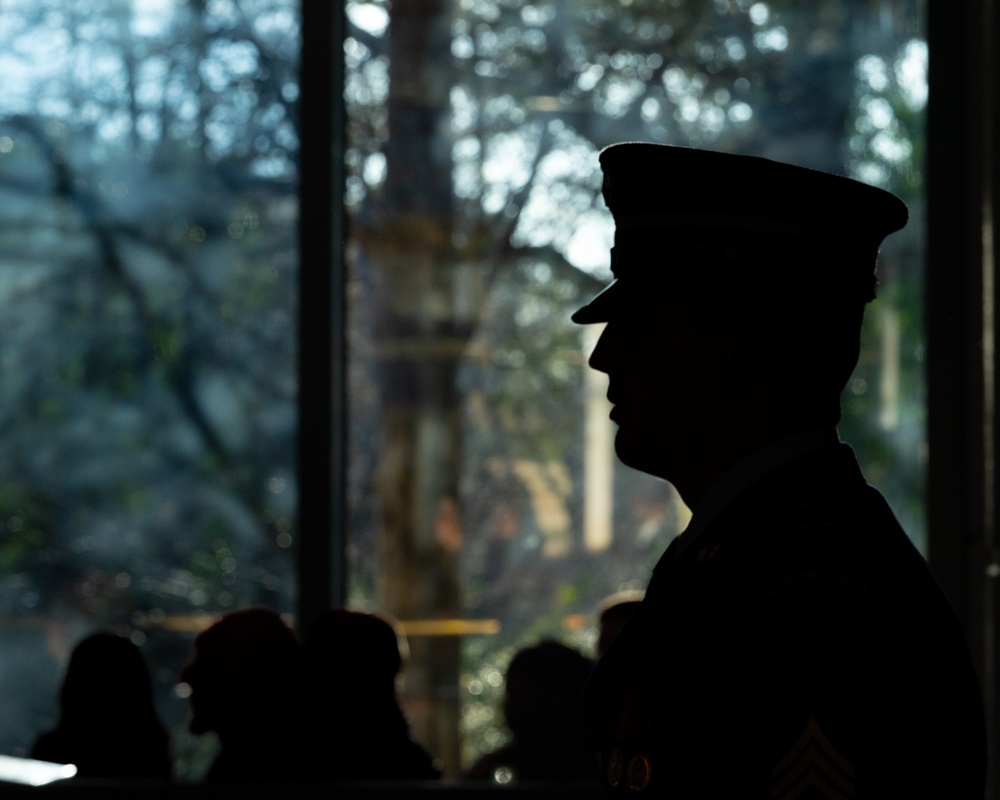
792 642
246 685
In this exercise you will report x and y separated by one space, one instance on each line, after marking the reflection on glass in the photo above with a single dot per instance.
481 479
29 772
147 280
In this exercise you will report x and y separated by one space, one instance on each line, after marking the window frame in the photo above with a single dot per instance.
960 300
322 400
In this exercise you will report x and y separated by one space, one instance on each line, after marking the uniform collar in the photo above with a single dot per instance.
744 474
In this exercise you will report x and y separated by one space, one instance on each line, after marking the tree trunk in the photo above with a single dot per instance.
419 337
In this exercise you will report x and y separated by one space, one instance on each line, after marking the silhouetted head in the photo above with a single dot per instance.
544 686
354 648
354 659
739 292
108 726
612 614
107 682
245 674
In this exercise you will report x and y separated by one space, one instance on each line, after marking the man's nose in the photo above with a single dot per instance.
599 355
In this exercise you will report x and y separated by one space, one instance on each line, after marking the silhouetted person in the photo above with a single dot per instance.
612 614
108 726
791 639
355 659
247 681
541 707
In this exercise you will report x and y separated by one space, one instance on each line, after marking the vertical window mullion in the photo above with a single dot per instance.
321 365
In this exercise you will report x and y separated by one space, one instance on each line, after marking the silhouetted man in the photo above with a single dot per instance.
355 659
247 683
541 708
791 642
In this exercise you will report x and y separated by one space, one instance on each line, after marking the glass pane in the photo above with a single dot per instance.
488 509
147 283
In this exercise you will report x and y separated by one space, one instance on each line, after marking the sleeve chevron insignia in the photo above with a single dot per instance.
813 767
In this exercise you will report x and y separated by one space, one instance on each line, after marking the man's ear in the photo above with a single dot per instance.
743 311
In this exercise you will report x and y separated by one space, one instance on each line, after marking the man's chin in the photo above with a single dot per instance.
642 453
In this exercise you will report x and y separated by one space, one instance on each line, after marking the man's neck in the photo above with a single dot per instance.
743 474
748 470
716 462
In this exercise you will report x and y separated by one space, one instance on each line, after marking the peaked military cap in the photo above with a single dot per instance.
682 213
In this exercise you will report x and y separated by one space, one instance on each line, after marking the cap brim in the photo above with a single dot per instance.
599 309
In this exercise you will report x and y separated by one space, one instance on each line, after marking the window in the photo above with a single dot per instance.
148 283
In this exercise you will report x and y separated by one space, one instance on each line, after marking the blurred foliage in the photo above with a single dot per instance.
148 279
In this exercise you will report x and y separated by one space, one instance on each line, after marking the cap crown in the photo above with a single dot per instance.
667 187
681 213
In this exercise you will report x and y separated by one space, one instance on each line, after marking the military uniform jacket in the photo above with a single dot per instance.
800 647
